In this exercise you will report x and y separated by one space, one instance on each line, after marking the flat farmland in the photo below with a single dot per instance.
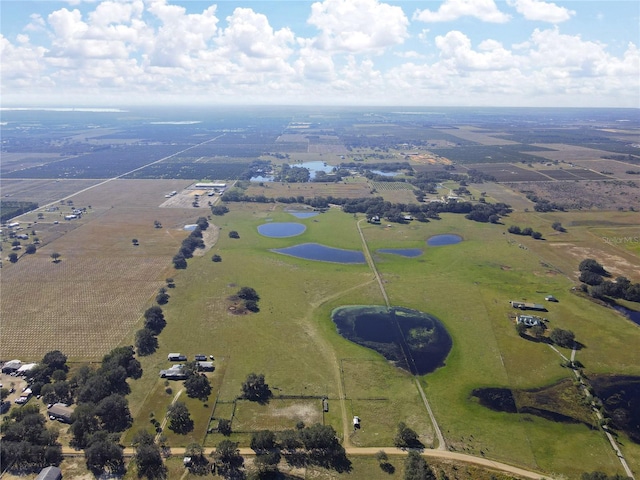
507 172
42 191
92 299
567 153
614 168
14 161
478 135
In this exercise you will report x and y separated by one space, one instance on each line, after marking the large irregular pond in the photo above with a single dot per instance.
281 229
562 402
446 239
315 251
412 340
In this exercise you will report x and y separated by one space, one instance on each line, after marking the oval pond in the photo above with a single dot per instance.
446 239
281 229
315 251
412 340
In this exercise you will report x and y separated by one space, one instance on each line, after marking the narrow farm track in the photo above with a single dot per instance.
164 420
610 437
441 443
124 174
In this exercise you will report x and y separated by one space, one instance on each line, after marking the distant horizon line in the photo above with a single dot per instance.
121 107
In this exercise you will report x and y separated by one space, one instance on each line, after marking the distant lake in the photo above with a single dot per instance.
314 167
281 229
446 239
315 251
405 252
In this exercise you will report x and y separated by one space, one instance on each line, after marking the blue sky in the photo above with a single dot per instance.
337 52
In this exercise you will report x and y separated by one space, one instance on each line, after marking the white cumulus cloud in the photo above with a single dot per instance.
538 10
356 26
449 10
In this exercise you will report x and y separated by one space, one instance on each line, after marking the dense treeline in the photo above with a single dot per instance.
189 244
393 212
13 208
593 274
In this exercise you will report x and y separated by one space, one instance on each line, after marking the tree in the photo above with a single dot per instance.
146 342
154 319
416 468
162 298
536 235
148 461
521 328
557 226
228 460
199 464
30 249
514 229
55 360
590 278
84 423
590 265
563 338
263 441
538 331
202 223
179 418
113 412
198 386
248 293
219 210
254 388
179 262
234 234
216 258
406 437
135 242
56 257
104 453
224 427
13 257
15 244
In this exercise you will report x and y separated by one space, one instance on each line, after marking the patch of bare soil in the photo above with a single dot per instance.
210 238
614 264
303 411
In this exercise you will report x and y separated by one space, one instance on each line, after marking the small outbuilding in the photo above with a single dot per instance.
50 473
11 366
59 411
205 366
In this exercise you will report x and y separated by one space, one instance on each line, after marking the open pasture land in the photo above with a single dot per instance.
92 299
614 168
468 287
293 341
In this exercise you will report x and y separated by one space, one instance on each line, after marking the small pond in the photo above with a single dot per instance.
414 341
315 251
405 252
446 239
281 229
302 213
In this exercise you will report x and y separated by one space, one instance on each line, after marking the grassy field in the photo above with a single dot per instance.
93 300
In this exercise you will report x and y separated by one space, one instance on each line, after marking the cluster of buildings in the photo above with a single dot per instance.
179 372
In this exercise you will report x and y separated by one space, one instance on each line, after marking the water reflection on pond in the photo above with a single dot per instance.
281 229
315 251
302 213
412 340
446 239
405 252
